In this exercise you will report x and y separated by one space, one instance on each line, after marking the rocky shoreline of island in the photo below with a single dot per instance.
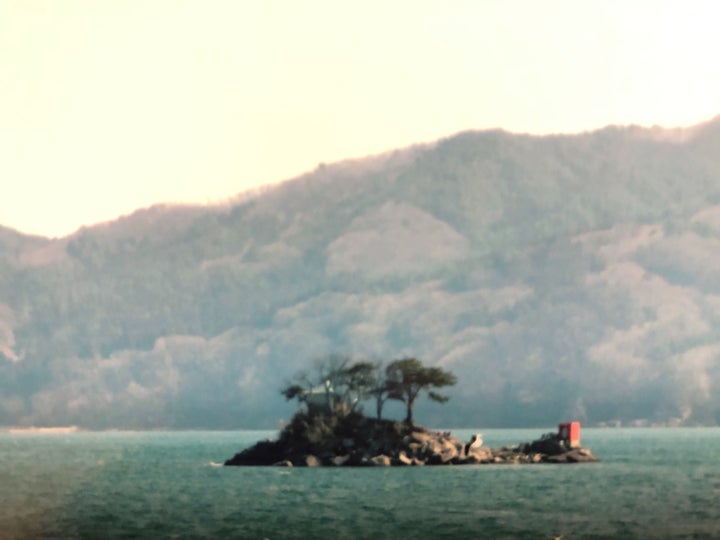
364 442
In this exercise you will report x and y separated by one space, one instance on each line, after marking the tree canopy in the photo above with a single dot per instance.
407 377
339 385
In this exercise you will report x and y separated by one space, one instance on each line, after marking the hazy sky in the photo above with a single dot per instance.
107 106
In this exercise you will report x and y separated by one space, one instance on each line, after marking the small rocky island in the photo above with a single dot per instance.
359 441
330 429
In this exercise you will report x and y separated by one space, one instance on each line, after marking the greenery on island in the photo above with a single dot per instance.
339 385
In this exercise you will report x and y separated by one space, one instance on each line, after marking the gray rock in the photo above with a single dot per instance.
338 461
415 449
310 461
470 459
480 454
380 461
580 455
421 436
449 451
432 448
445 455
403 459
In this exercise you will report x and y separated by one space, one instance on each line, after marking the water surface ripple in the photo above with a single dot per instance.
652 483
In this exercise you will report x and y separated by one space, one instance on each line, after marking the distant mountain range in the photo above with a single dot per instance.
559 277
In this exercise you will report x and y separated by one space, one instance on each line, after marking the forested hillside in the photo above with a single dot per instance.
557 277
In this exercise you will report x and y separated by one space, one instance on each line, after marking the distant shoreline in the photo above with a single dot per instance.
59 430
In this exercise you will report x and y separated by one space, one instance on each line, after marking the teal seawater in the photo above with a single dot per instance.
652 483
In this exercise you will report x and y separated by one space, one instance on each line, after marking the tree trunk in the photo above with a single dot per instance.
409 418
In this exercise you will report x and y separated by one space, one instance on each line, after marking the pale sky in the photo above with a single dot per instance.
107 106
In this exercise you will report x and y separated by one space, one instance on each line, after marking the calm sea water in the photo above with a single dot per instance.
652 483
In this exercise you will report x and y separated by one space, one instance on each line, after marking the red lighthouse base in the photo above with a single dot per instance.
569 432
